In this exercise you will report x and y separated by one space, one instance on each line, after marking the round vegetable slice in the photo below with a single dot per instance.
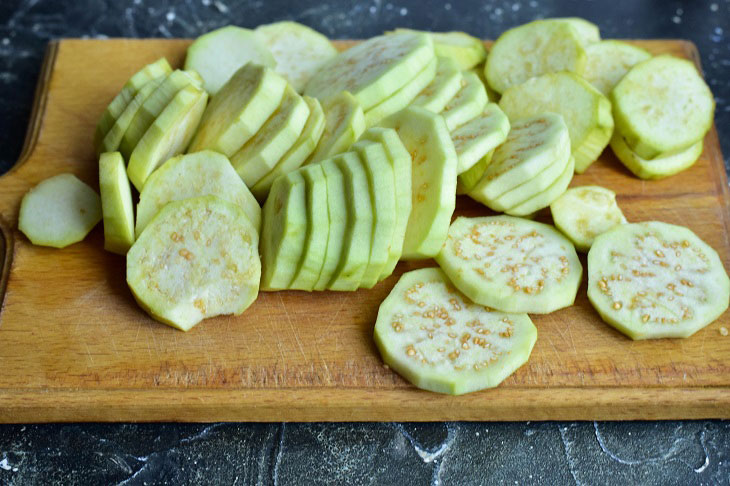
156 70
543 199
218 54
168 135
115 134
283 231
533 186
609 61
474 139
491 94
467 103
444 86
298 153
534 49
152 107
465 50
239 109
358 232
533 144
315 241
59 211
116 203
400 160
263 151
586 112
381 182
511 264
197 259
662 105
298 50
338 220
436 338
663 165
654 280
403 97
197 174
344 123
466 181
587 32
582 213
374 69
426 138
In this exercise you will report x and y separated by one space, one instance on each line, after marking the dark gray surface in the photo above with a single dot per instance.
659 453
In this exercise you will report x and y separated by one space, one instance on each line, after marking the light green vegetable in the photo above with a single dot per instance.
655 280
426 138
511 264
538 184
400 160
479 136
403 97
197 258
532 50
169 135
466 181
153 106
466 51
239 109
533 145
358 232
587 32
338 220
150 72
197 174
298 153
586 112
283 231
59 211
374 69
263 151
298 50
544 198
582 213
381 182
115 135
315 241
344 123
663 165
467 103
116 203
436 338
662 106
444 86
218 54
609 61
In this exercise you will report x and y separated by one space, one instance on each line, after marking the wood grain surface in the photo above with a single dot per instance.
75 347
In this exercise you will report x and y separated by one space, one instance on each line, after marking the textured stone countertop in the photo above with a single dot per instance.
661 453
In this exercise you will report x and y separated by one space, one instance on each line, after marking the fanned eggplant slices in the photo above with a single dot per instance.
357 157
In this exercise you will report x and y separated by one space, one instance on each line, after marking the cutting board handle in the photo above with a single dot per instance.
7 198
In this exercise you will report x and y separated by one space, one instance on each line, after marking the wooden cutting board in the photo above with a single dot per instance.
75 347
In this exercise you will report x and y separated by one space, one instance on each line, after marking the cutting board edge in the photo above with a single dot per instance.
357 405
40 99
38 109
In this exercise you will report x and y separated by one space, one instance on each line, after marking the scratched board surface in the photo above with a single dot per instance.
76 347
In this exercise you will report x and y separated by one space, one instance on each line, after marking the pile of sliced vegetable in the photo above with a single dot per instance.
357 158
